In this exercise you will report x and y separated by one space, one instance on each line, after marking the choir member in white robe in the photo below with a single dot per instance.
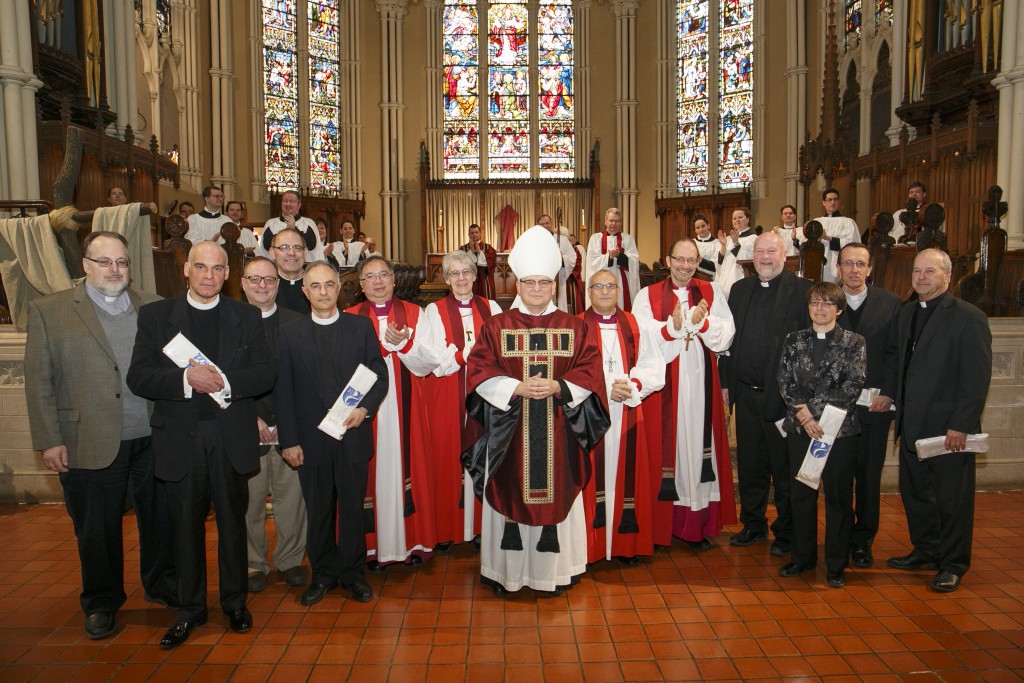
568 256
787 228
611 248
205 225
401 477
246 237
291 205
347 251
455 321
692 333
839 231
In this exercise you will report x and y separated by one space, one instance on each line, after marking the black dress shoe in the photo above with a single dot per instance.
256 582
295 576
496 587
240 620
793 569
316 592
779 549
945 582
99 625
443 547
746 536
911 562
631 561
861 557
551 594
375 567
835 579
178 634
361 591
414 561
702 544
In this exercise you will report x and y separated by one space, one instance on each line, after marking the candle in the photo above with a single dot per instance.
583 218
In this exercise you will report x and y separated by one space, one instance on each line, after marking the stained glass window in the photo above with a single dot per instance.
517 89
163 16
883 13
302 114
853 18
714 36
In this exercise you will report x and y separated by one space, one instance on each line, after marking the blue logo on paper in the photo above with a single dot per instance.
351 397
819 449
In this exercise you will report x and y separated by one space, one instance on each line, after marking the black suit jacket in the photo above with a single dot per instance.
949 372
282 316
876 325
243 357
788 314
299 402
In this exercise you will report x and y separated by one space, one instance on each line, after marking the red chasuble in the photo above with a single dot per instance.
632 532
484 283
447 397
536 452
409 391
660 421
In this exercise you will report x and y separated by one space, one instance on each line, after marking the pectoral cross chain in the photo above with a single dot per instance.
686 341
611 364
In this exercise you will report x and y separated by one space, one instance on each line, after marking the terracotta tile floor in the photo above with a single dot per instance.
725 614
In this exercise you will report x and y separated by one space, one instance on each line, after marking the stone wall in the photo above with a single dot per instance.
23 479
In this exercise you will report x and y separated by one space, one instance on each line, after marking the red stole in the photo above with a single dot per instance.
624 272
455 333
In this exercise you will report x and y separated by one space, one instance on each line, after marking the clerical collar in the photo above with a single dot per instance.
288 279
114 305
826 335
688 286
932 303
206 214
709 238
202 307
384 309
747 233
326 321
854 301
272 311
468 303
606 320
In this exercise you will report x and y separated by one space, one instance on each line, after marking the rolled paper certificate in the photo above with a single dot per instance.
182 352
362 381
936 445
867 395
817 453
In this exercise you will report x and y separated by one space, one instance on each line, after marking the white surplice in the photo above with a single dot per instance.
596 260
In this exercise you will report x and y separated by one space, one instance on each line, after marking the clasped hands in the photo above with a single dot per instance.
622 390
204 378
397 336
807 421
537 387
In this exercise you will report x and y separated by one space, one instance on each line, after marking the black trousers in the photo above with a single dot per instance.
762 461
95 503
871 447
837 485
335 537
938 496
210 478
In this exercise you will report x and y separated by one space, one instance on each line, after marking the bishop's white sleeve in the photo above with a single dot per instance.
423 352
498 391
668 340
718 333
448 364
650 367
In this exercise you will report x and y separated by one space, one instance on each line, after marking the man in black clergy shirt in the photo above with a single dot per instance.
289 253
869 312
204 452
317 357
766 307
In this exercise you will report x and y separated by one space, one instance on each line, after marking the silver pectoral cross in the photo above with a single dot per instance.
611 364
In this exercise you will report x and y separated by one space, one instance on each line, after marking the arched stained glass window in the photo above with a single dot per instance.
714 36
853 18
883 13
301 113
527 76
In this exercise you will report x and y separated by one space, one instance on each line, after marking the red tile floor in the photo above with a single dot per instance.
721 615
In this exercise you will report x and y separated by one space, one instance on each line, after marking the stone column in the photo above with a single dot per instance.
19 161
796 98
1010 163
627 189
584 71
392 114
185 43
257 186
434 130
898 62
222 85
119 67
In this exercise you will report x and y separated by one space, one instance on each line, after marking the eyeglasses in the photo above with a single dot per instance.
815 303
460 273
257 279
106 262
605 286
684 260
383 277
861 265
291 247
536 284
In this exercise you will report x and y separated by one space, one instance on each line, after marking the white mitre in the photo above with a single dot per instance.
535 253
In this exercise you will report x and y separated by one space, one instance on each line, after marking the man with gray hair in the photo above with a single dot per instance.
612 248
94 432
944 368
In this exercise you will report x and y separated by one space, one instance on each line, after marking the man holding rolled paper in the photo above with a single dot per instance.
202 358
944 368
317 358
820 377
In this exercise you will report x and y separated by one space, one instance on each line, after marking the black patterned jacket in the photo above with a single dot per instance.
836 381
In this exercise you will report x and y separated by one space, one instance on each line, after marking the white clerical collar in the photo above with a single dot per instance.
327 321
518 305
114 305
854 301
202 307
822 335
272 311
289 280
765 283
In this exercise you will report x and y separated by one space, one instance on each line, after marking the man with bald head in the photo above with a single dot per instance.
204 449
765 307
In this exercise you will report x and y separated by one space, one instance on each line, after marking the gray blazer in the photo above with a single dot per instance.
72 381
